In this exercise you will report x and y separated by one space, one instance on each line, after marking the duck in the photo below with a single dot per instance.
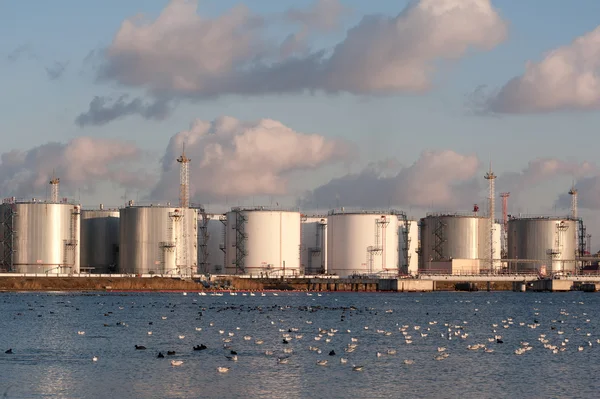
170 353
160 355
140 347
8 351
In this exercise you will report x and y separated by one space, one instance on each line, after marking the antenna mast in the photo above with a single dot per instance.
491 177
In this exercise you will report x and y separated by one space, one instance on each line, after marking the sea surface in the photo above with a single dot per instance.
54 337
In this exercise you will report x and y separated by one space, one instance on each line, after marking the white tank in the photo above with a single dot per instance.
262 241
40 237
211 257
152 237
362 243
313 252
547 243
407 246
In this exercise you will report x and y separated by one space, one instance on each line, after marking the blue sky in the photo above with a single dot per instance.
37 110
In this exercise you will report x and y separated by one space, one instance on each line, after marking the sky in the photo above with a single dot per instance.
305 104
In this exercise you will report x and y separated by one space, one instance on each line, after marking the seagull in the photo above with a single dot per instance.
357 368
94 359
81 332
322 362
176 362
233 358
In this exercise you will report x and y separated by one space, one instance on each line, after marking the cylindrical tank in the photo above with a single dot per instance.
548 243
152 240
262 241
313 253
211 244
100 240
40 237
497 246
452 236
362 243
407 246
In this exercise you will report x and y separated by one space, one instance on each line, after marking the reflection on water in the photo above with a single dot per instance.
51 359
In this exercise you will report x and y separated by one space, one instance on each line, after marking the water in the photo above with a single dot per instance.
51 359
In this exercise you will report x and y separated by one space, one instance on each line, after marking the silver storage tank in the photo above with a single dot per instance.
211 244
548 243
452 236
152 240
100 240
40 237
313 247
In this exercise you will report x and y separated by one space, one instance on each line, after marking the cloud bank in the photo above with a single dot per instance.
81 164
438 180
183 54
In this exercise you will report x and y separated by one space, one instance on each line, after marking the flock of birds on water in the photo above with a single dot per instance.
552 336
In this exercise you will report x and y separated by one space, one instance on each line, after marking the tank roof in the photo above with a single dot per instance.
455 215
549 218
36 201
364 212
262 209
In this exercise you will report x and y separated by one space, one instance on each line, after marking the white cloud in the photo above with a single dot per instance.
232 158
567 78
80 164
185 54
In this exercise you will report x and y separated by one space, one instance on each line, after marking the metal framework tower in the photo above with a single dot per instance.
504 197
184 203
240 241
405 262
491 177
573 194
205 237
54 183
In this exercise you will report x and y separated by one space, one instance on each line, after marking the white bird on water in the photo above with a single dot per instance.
81 332
176 362
95 359
222 369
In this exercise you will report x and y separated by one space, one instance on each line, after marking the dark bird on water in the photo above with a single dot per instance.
170 353
8 352
160 355
140 347
332 353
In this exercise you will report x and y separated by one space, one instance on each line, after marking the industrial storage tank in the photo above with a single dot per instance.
497 246
40 237
152 240
261 241
211 243
444 237
99 240
548 243
408 245
364 242
313 252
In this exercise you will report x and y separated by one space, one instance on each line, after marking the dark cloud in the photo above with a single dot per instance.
103 110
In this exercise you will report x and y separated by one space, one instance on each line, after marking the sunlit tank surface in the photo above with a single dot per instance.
151 240
215 244
453 236
100 240
548 242
409 259
364 242
313 255
43 237
260 241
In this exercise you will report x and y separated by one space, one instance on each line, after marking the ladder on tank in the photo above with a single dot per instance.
71 243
